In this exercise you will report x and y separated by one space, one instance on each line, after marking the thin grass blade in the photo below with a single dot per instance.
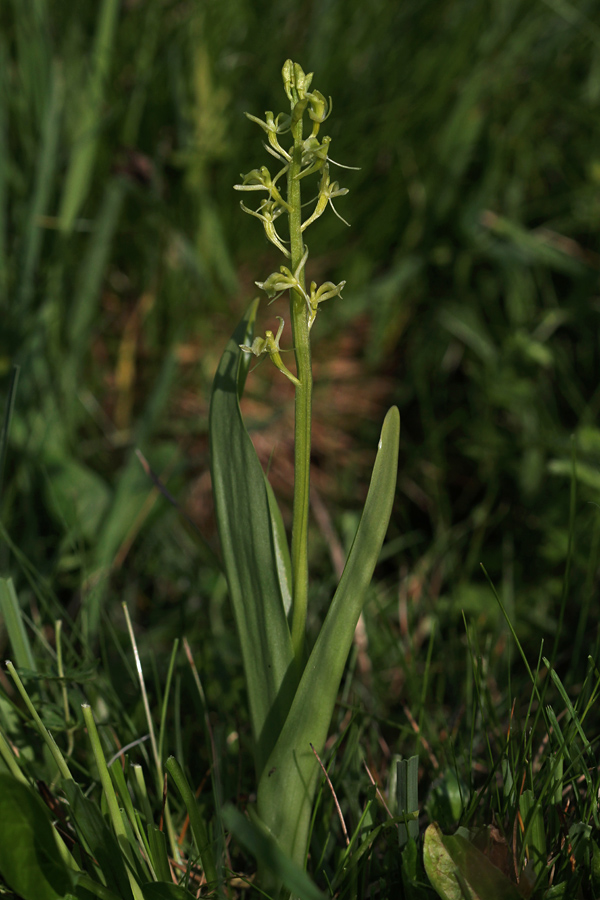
10 612
79 173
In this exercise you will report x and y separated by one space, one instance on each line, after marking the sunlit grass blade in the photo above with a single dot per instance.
10 612
116 816
573 714
43 731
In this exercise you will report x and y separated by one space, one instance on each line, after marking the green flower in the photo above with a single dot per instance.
267 212
314 155
284 280
327 290
295 82
274 126
260 180
319 110
327 191
270 344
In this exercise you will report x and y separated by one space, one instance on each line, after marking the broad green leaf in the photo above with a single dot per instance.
97 837
413 882
29 859
459 871
245 523
292 770
159 857
282 550
534 835
270 856
448 796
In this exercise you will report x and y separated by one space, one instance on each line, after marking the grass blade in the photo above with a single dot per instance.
10 405
79 173
198 826
17 636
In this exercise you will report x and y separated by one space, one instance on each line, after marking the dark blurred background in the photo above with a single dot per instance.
471 299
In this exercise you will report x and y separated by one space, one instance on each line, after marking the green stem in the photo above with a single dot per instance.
301 341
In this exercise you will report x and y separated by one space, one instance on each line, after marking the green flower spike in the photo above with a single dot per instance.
270 344
267 212
291 691
327 290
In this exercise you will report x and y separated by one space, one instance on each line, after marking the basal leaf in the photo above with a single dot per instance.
459 871
248 543
292 770
269 855
95 834
282 550
29 859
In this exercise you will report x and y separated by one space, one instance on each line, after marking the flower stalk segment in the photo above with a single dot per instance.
306 157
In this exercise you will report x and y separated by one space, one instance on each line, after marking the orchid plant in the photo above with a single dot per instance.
291 688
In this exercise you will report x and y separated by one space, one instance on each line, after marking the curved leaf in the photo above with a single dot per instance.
292 770
266 850
245 523
282 551
29 859
459 871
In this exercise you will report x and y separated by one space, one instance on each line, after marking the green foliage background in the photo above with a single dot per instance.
471 267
